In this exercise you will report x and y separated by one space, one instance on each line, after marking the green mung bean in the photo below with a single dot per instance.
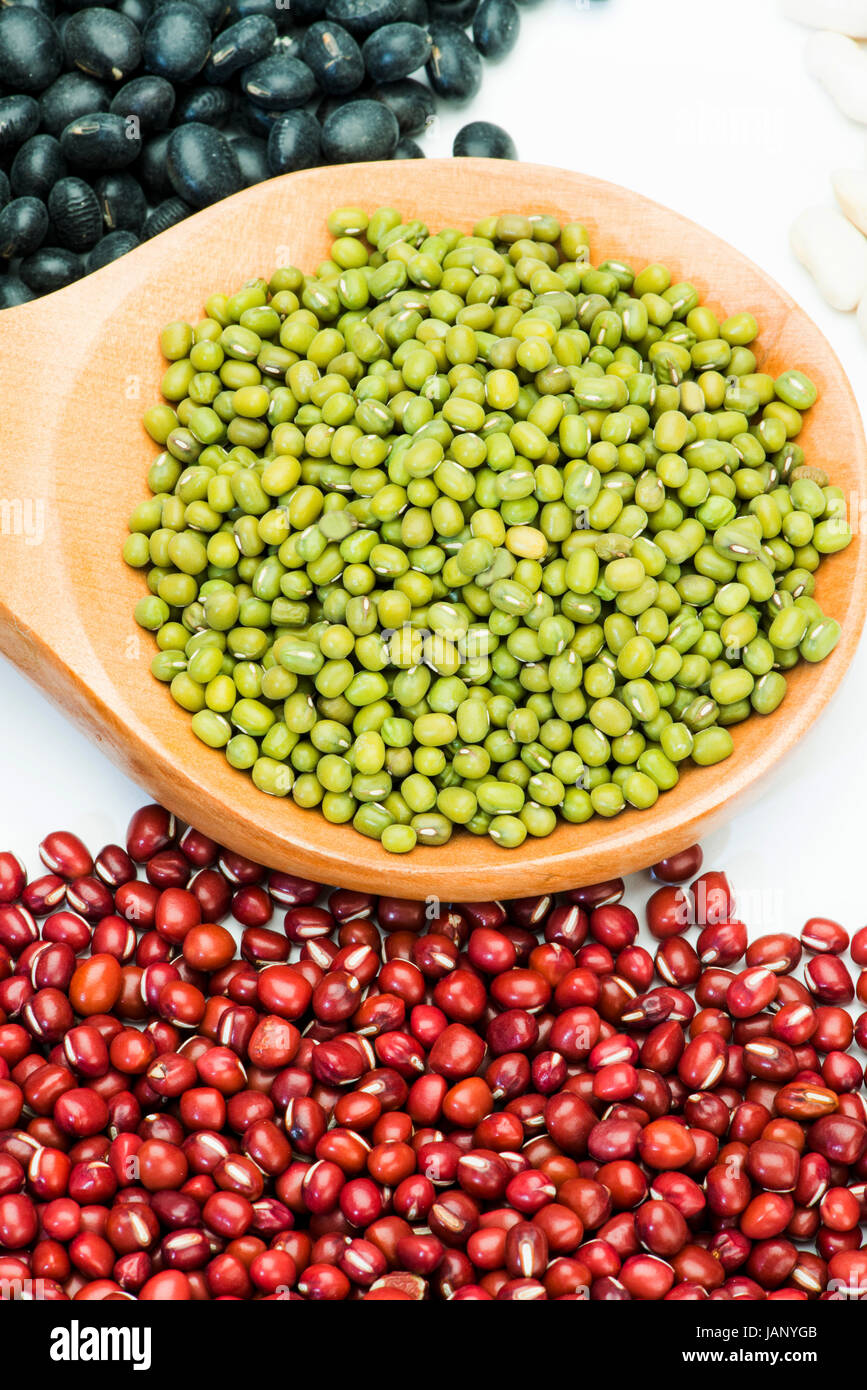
467 531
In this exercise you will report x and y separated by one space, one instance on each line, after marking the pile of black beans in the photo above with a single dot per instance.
117 120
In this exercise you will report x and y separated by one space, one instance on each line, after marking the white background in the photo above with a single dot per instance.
706 107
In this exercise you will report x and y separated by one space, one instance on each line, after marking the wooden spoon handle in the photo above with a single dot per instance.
48 420
39 349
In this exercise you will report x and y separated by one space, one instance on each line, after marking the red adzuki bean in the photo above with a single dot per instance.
501 1101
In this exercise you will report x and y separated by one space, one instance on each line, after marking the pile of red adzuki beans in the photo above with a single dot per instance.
386 1099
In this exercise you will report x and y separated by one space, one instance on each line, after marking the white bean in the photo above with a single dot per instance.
850 187
841 67
843 16
834 252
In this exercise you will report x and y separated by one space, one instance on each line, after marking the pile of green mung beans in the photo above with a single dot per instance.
462 530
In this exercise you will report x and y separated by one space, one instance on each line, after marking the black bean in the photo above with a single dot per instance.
416 11
486 140
306 11
294 143
30 52
201 165
109 249
149 98
334 57
176 41
252 157
74 209
50 268
257 121
215 11
456 11
139 11
210 105
281 11
37 166
287 44
278 83
74 94
151 167
165 215
495 27
45 7
407 148
362 17
395 51
330 104
23 224
101 141
455 68
103 43
19 119
13 291
360 130
239 46
114 142
121 202
412 102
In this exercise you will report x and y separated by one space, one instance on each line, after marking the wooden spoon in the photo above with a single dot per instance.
78 368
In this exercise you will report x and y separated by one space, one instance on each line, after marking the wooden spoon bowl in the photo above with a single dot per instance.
78 368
